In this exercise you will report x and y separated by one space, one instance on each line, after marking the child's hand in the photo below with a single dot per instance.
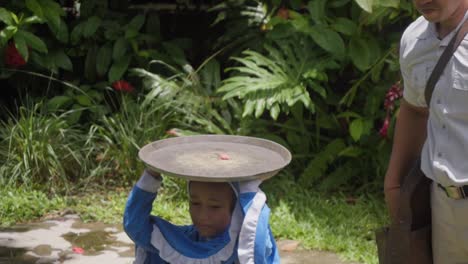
154 174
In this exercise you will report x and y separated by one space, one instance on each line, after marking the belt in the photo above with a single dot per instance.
454 192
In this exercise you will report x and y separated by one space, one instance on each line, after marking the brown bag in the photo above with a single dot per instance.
409 240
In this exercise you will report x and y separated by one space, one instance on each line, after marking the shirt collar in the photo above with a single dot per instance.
431 33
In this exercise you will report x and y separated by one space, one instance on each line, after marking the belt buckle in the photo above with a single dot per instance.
454 192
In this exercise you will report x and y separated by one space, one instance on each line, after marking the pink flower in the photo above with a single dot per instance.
12 56
123 86
78 250
383 132
394 93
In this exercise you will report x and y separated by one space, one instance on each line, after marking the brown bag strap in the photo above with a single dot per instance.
443 60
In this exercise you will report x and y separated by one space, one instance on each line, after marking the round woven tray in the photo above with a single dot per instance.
216 158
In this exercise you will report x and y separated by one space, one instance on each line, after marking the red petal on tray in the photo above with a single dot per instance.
78 250
224 156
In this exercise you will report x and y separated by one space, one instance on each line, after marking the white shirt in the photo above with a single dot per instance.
444 156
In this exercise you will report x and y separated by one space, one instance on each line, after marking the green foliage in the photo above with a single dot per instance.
320 163
21 26
42 149
331 51
190 94
108 43
109 209
97 48
21 205
120 136
318 68
241 21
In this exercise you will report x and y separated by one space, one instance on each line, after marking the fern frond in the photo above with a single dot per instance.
275 81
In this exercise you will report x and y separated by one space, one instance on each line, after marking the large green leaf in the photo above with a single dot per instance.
61 60
118 69
21 46
345 26
60 30
5 16
91 26
134 26
120 47
104 58
356 129
317 10
33 41
76 33
327 39
35 7
360 54
52 12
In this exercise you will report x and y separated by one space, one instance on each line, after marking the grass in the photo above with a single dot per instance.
332 222
21 205
337 222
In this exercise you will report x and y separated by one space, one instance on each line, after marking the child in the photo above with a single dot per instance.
230 225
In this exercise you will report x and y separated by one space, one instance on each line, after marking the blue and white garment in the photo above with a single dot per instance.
247 240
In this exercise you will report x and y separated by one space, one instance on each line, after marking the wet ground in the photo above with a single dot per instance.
68 240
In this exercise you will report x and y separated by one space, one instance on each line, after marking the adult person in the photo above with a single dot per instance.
438 133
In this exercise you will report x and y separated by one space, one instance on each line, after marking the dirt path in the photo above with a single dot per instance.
68 240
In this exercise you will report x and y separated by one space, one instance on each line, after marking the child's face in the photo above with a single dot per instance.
211 207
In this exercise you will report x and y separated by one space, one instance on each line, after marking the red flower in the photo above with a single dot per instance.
12 56
122 85
383 132
283 13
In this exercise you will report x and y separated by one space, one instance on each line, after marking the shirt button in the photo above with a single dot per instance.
444 127
438 101
439 154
